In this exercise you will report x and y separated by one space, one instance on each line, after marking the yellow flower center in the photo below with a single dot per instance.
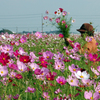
81 76
42 61
24 59
47 56
48 78
33 67
61 82
2 72
87 83
21 69
3 58
74 69
42 74
71 81
7 49
59 58
99 91
91 98
93 59
58 66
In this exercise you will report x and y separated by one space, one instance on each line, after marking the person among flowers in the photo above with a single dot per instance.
91 45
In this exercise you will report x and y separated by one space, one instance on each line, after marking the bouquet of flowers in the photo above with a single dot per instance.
61 21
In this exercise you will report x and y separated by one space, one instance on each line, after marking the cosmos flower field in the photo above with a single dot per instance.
40 67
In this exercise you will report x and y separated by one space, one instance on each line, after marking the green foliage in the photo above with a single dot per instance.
6 30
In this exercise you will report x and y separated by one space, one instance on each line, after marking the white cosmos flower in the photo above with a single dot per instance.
3 37
73 21
82 75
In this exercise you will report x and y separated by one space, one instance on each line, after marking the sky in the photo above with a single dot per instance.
27 15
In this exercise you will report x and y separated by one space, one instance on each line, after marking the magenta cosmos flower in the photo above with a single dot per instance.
61 80
29 89
89 95
57 20
93 57
61 35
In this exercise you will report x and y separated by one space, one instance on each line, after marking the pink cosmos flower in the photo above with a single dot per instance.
95 71
59 65
72 81
17 43
97 88
8 49
13 66
47 12
12 36
23 39
66 25
73 68
87 82
16 96
38 35
12 74
64 13
89 95
50 19
43 75
63 22
61 80
57 91
21 66
57 20
98 68
88 39
45 95
29 89
45 17
58 57
3 71
21 51
34 66
48 55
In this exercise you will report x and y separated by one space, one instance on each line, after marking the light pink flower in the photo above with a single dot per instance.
89 95
63 22
29 89
45 17
72 81
45 95
21 66
48 55
64 13
38 35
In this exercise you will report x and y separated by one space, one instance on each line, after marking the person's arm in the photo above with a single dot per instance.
70 42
